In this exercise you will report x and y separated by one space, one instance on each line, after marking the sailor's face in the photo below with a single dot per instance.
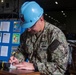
35 28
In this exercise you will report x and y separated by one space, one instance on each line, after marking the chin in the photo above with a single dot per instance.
33 33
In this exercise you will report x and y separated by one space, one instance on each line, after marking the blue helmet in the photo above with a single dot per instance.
30 12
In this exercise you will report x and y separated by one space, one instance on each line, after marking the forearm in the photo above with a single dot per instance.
58 64
19 53
51 68
20 57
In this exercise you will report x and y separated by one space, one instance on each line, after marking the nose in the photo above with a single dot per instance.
29 29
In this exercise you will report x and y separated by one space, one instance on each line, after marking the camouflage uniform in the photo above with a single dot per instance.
48 50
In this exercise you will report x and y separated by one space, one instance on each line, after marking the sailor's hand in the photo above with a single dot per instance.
13 60
25 65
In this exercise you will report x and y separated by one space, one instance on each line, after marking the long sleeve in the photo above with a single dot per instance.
54 61
48 51
58 62
20 54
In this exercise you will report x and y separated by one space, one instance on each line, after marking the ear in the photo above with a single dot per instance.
41 18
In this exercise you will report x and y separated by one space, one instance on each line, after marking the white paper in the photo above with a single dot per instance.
12 66
4 51
0 36
5 26
6 38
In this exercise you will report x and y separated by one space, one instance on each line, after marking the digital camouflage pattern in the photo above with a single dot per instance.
48 50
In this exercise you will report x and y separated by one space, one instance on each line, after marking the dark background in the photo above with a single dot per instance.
63 14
